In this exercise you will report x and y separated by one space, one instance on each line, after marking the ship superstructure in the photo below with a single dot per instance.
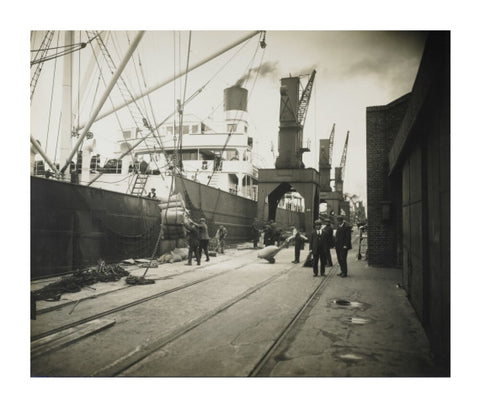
217 154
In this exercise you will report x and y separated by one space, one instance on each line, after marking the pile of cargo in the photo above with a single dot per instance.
174 214
174 256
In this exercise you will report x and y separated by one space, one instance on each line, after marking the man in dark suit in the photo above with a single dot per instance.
329 230
343 243
320 242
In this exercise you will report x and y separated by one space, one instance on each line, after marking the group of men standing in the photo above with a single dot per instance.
322 240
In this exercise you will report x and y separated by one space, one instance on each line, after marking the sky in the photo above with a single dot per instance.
354 69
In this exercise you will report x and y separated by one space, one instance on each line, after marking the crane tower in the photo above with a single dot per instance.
340 171
293 110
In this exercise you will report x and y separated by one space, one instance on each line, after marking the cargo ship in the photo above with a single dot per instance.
85 211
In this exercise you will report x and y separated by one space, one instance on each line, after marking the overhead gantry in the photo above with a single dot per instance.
290 173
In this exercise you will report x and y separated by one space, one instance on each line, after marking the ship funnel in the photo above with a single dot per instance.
235 98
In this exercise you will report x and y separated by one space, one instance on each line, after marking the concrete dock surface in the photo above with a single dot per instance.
362 326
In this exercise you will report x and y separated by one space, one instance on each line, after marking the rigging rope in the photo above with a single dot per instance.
109 97
195 94
192 96
236 118
136 73
183 100
154 131
175 107
65 46
69 50
121 81
58 137
41 49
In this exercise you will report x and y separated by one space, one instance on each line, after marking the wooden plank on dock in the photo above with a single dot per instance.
68 336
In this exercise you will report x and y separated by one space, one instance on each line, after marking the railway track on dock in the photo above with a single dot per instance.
264 360
129 363
121 307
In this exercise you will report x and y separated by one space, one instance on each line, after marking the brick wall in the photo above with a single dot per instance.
383 123
408 164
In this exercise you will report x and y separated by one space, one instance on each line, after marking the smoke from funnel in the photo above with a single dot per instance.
267 68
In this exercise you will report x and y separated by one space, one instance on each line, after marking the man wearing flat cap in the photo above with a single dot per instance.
204 238
343 243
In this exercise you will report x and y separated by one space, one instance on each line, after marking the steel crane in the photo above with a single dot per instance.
305 100
330 145
344 156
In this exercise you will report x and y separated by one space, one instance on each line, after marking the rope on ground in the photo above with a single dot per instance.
78 280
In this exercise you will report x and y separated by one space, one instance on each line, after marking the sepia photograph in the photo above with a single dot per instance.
187 188
242 201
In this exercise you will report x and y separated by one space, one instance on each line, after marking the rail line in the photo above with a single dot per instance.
133 303
59 306
143 351
288 330
139 354
123 364
261 366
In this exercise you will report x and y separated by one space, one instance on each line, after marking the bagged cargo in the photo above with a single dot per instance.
173 232
177 197
182 252
173 216
165 258
267 252
175 258
171 204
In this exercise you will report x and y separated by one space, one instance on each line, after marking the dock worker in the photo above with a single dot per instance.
299 239
204 238
221 235
256 232
193 236
152 193
269 234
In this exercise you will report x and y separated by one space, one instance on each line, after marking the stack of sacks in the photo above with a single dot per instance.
174 214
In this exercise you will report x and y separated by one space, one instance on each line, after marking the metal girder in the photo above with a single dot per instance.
344 156
305 99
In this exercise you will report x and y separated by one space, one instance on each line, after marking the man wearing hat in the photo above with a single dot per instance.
343 243
320 242
204 238
193 234
328 229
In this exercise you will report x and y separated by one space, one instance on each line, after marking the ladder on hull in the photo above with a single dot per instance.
139 185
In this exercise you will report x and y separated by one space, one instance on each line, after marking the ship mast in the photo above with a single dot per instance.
66 121
103 99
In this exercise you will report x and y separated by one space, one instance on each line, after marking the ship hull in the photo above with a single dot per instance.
74 226
234 212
